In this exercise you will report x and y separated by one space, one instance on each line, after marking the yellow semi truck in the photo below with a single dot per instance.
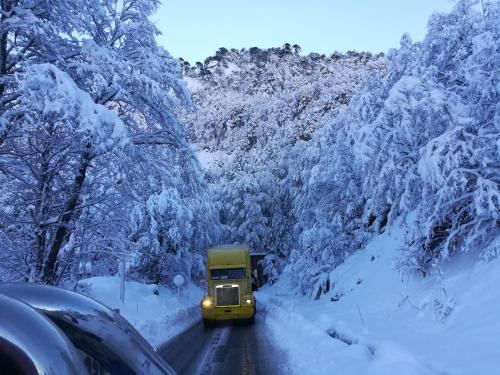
229 285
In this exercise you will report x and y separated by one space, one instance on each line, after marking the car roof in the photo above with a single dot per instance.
82 316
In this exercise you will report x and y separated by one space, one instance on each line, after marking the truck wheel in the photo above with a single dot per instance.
207 323
251 321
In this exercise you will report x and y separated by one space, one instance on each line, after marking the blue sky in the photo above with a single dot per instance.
195 29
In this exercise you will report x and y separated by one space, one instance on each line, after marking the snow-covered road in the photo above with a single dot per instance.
228 349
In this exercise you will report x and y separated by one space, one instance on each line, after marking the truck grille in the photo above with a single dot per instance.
227 295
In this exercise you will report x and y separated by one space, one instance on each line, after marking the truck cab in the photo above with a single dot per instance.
229 285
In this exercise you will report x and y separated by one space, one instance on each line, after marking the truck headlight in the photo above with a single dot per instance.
247 301
206 303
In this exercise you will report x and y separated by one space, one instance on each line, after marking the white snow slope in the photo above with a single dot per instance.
157 317
371 322
374 322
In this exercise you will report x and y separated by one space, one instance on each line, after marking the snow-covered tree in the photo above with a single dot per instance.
316 153
88 135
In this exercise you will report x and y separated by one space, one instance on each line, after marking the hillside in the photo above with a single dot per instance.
373 321
310 156
254 111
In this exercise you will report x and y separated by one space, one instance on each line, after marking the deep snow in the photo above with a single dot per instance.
373 320
447 323
157 317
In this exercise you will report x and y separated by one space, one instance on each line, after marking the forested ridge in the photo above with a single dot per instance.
310 156
304 157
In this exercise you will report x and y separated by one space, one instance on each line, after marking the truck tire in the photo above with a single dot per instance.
251 321
207 323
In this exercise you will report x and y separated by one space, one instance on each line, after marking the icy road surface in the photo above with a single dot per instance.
228 349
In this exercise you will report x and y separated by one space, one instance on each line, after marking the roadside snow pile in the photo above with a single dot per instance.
158 317
373 322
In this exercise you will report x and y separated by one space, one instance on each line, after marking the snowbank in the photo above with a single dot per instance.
158 317
373 321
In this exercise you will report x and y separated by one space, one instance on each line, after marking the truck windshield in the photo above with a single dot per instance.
227 273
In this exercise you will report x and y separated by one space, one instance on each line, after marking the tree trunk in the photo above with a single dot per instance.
63 231
41 212
6 9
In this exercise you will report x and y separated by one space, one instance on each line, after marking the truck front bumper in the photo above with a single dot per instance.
228 313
